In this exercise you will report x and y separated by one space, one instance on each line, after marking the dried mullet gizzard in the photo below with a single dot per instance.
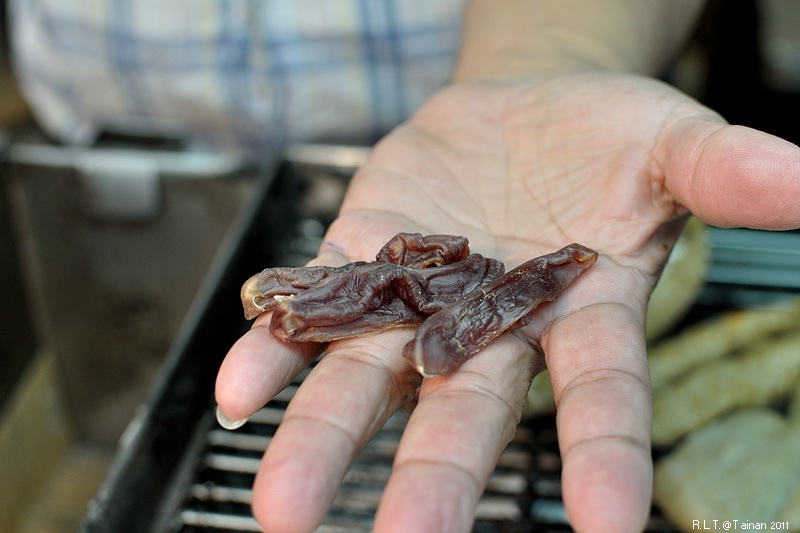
462 300
322 304
456 333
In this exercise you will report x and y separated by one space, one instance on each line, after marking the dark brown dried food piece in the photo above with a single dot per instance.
376 296
462 301
262 291
451 336
418 251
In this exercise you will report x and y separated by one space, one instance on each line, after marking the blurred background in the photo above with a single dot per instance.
101 257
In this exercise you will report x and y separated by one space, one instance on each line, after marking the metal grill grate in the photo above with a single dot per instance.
523 493
218 497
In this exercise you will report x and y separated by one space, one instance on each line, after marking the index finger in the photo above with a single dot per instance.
256 368
259 365
453 439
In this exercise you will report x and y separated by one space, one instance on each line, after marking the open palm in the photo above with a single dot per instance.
612 162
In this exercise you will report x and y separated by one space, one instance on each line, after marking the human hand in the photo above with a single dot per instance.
609 161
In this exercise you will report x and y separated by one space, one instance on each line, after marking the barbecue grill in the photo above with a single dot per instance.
176 470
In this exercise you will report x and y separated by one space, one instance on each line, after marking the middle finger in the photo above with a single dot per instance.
453 440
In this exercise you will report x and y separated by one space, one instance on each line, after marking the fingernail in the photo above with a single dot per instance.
227 423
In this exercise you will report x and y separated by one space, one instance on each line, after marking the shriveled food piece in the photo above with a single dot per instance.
262 291
745 466
414 280
451 336
760 375
412 277
377 296
717 337
418 251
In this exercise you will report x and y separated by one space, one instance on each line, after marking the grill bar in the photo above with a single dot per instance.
207 520
210 492
234 456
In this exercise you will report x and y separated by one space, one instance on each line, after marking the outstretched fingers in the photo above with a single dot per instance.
256 368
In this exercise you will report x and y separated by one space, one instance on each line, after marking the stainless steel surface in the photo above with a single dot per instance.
755 258
109 293
17 335
187 164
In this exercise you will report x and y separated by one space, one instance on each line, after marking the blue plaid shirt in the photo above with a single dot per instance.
231 74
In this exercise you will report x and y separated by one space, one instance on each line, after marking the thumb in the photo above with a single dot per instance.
732 175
